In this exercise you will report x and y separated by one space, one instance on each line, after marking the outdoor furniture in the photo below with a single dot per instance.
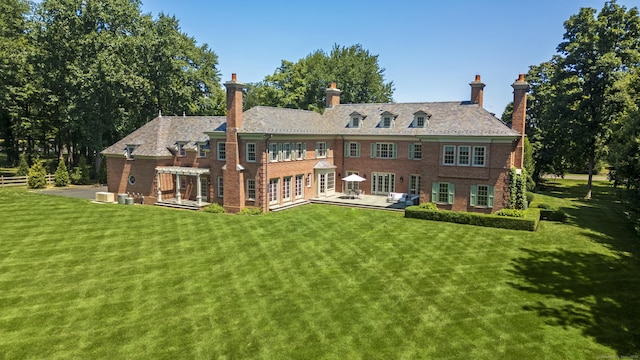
394 197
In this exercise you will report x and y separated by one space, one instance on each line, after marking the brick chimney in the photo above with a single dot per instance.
333 95
477 88
519 117
233 199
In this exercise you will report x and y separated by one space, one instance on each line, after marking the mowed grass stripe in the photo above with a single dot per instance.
82 280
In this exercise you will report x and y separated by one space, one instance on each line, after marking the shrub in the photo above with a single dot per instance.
214 208
553 215
530 197
544 206
80 175
37 176
23 166
471 218
250 211
428 206
510 213
62 175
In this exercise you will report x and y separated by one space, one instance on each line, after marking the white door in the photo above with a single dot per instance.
382 183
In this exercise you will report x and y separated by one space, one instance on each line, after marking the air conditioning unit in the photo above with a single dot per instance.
106 197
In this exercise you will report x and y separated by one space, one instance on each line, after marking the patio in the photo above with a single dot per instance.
364 201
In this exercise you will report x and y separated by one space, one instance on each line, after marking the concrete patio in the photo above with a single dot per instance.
364 201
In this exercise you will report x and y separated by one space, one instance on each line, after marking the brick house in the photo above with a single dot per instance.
455 154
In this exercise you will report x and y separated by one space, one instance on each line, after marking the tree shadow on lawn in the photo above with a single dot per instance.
597 293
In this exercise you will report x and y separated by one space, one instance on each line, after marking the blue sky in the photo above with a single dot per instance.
431 50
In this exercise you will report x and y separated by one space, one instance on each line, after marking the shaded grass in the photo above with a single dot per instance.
83 280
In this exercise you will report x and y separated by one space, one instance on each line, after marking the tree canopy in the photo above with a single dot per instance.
301 85
581 97
79 75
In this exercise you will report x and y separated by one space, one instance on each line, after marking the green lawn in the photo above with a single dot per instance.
82 280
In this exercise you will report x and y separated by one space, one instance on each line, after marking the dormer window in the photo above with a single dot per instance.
180 148
356 120
420 119
386 120
128 151
203 148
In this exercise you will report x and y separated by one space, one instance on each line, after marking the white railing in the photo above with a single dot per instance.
20 180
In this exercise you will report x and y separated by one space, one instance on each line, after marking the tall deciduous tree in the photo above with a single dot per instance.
596 54
301 85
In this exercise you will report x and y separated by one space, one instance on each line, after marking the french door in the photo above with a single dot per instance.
382 183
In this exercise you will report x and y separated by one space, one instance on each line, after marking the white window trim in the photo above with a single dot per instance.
202 150
444 155
322 150
413 153
220 187
347 149
484 156
248 152
182 152
354 119
273 152
128 151
473 201
220 145
468 155
435 193
384 119
250 188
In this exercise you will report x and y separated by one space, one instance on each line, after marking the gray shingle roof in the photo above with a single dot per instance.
159 136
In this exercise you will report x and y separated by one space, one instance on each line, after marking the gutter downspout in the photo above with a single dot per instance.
266 171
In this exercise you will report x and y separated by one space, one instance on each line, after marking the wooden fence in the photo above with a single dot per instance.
20 180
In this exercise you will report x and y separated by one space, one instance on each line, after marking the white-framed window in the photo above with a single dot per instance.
352 149
331 181
274 185
128 151
464 155
203 148
204 189
181 150
386 122
301 151
299 181
308 180
415 151
220 186
384 150
356 122
448 155
286 151
183 184
273 152
420 121
286 188
479 155
251 189
414 184
482 195
222 150
251 152
321 149
442 192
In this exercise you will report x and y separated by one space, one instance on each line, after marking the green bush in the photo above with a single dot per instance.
530 197
553 215
23 166
477 219
428 206
37 176
510 213
544 206
62 175
80 175
214 208
250 211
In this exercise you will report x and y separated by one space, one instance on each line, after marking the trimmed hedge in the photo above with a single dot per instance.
553 215
495 221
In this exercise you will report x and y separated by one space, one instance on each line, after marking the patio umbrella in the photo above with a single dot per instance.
354 178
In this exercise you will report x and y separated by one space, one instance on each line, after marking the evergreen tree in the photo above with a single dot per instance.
37 175
62 175
23 166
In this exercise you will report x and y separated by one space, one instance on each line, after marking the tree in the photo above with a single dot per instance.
37 175
596 54
23 166
61 175
301 85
